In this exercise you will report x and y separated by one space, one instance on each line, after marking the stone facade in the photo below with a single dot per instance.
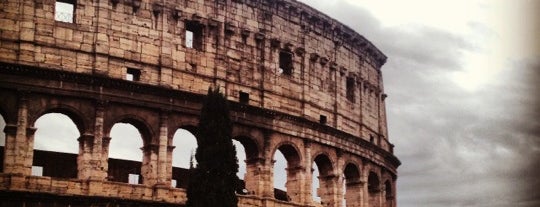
297 80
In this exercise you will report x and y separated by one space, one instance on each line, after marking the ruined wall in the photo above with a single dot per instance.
298 82
240 46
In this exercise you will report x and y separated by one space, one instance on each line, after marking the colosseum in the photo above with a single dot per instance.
297 81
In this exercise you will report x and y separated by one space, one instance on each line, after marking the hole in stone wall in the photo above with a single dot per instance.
322 119
244 97
285 62
134 179
133 74
64 11
194 35
37 170
350 89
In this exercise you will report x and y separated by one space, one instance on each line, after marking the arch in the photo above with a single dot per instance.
55 146
327 181
374 189
291 153
373 182
185 145
74 114
126 166
142 126
351 172
324 164
250 145
352 185
388 190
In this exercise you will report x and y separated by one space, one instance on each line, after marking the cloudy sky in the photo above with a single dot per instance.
464 98
463 108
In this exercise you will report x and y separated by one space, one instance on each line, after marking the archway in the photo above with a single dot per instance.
55 146
326 190
288 190
353 187
125 154
374 189
389 194
183 156
249 163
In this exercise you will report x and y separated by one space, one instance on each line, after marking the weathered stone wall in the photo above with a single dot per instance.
79 69
241 45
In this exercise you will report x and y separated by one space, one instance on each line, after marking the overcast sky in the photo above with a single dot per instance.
463 109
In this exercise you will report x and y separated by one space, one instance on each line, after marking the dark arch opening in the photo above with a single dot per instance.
55 145
322 179
374 189
351 172
373 183
388 190
352 187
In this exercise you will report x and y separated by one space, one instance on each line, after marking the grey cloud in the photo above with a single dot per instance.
458 148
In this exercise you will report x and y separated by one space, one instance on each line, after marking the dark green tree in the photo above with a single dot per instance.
213 181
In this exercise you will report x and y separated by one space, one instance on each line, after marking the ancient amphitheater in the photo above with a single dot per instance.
298 81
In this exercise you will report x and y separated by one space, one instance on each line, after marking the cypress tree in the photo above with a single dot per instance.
214 179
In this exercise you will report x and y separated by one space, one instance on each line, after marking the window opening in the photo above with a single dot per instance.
244 97
133 179
133 74
322 119
37 170
64 11
350 89
285 62
194 36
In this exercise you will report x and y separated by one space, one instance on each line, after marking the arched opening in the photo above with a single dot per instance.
315 185
287 190
389 193
183 156
249 164
326 188
125 154
2 142
374 189
353 188
55 146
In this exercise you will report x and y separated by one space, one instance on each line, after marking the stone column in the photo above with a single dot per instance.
267 170
149 164
296 184
169 163
365 193
105 157
162 157
9 148
308 172
328 190
254 176
354 193
19 143
100 150
84 165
